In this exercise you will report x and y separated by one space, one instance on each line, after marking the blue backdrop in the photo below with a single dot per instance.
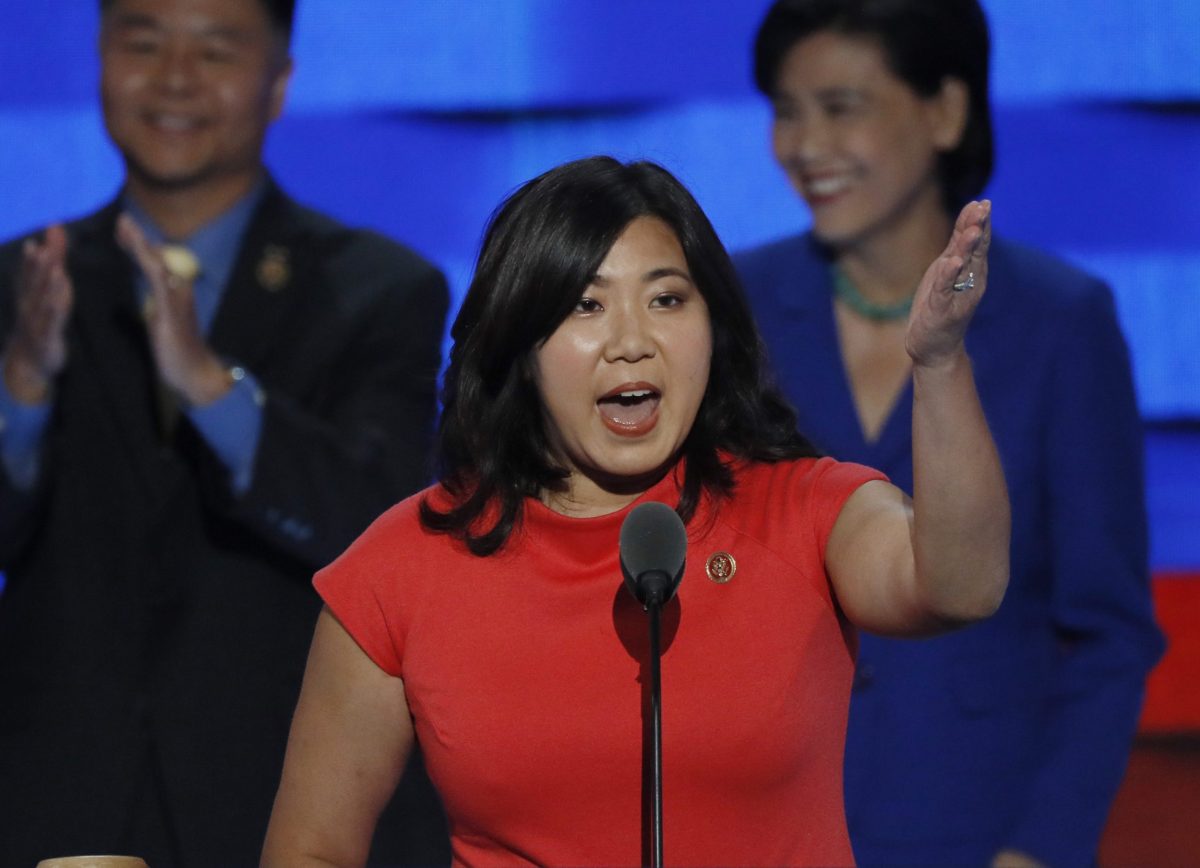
417 116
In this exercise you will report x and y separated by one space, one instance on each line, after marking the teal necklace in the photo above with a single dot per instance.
847 292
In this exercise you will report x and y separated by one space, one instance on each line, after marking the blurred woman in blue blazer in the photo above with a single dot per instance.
1004 743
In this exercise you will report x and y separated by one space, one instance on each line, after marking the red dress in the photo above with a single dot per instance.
523 673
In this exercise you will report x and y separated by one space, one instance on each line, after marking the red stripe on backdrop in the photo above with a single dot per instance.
1173 689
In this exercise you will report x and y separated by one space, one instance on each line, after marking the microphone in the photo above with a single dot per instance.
653 549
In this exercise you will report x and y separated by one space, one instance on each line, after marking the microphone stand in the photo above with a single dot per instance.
655 591
653 549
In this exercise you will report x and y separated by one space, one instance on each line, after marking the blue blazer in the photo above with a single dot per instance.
1013 732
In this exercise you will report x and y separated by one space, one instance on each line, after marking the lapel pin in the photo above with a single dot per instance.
720 567
274 269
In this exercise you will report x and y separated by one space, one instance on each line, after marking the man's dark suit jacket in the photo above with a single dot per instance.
155 626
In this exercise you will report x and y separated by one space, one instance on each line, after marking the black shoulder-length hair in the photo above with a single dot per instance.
924 42
540 252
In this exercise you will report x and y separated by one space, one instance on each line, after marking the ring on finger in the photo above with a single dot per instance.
180 264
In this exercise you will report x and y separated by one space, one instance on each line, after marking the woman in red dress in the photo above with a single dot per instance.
604 356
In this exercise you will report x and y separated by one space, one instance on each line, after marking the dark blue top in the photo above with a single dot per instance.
1013 732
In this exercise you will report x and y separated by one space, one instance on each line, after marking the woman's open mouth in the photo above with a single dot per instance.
631 409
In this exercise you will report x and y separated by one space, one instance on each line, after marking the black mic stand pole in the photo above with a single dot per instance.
653 553
654 597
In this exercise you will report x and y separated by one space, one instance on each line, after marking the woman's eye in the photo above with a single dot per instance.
784 112
587 305
840 107
668 299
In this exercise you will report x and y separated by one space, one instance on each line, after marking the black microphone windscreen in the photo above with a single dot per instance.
653 540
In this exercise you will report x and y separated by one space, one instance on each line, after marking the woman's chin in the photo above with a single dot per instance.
630 475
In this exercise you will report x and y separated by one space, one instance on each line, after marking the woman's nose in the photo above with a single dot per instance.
804 139
629 338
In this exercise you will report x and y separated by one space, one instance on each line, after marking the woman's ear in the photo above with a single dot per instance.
949 109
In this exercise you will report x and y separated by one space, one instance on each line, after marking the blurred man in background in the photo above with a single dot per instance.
207 391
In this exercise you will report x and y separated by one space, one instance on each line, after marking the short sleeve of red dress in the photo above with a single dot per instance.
371 587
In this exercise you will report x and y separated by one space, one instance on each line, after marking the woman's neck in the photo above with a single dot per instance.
887 266
586 495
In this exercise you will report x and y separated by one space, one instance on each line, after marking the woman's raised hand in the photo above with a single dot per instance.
951 290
